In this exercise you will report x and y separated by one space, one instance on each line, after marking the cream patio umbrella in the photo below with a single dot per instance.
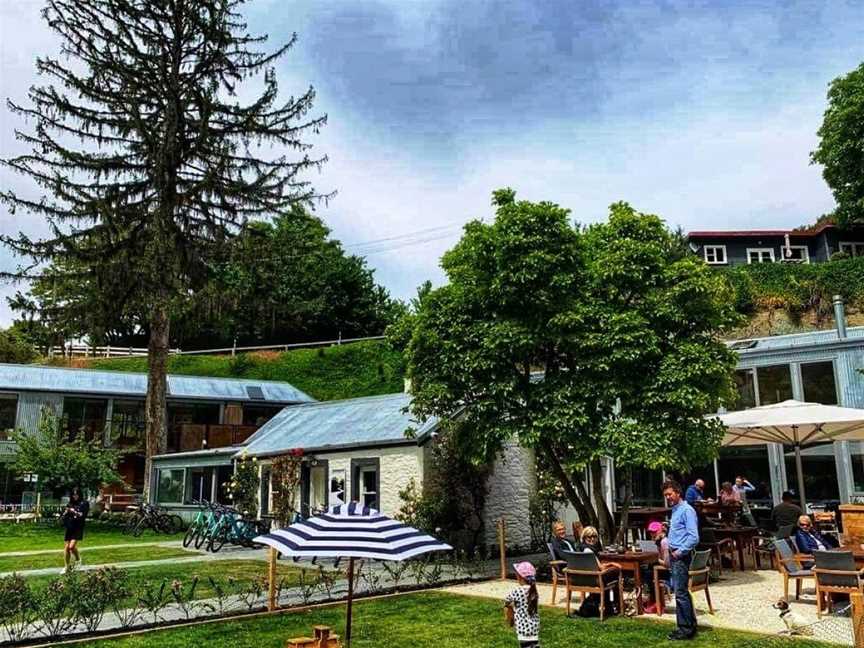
793 423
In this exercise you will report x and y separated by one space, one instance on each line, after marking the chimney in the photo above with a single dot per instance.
840 317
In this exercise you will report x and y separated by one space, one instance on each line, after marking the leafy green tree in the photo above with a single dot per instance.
841 146
15 348
579 343
148 160
63 463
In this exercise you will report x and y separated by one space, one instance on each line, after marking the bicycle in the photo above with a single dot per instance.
233 527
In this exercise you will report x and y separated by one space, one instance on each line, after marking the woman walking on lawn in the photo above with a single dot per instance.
521 606
73 521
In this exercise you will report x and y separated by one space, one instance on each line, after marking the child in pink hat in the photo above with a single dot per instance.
521 606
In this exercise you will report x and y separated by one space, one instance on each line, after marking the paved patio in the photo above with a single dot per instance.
742 601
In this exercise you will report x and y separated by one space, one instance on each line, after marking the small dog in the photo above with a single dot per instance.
794 625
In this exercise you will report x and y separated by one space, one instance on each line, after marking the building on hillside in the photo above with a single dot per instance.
352 450
109 405
731 248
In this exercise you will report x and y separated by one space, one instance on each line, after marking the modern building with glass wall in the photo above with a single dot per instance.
822 367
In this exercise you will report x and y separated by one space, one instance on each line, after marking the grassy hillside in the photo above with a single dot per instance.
778 298
347 371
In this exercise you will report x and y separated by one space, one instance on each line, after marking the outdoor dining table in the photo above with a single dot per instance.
741 536
631 561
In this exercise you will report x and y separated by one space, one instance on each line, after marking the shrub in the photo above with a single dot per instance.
243 487
17 606
94 593
153 598
55 606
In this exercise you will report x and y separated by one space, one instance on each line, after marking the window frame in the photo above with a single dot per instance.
714 249
760 250
357 466
853 248
10 396
805 258
833 364
159 485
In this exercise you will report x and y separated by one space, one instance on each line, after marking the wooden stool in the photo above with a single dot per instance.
301 642
324 638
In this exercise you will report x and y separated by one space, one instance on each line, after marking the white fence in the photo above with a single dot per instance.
108 351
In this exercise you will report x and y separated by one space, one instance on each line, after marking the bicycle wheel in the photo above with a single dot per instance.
218 540
130 523
201 536
143 523
191 535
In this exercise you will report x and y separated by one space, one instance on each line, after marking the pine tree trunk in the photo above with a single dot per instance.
156 428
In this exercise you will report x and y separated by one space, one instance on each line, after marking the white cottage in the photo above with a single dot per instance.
358 450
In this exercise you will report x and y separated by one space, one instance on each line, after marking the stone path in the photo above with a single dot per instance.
741 600
195 556
167 543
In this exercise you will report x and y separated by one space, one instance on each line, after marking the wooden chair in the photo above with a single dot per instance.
791 565
718 547
659 597
835 573
557 568
700 575
586 575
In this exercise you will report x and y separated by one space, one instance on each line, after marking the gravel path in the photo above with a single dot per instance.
742 601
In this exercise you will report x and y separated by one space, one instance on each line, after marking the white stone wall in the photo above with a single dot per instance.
398 466
512 483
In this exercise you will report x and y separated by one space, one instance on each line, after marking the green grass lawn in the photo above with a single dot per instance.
220 570
30 537
91 557
436 620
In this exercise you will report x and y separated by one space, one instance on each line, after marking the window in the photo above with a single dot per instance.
775 384
337 486
647 488
852 249
8 413
127 422
760 255
795 254
169 490
856 455
752 463
85 416
199 485
715 254
746 384
819 384
259 414
223 478
365 482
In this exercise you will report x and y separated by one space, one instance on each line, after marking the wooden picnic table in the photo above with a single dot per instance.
741 536
631 561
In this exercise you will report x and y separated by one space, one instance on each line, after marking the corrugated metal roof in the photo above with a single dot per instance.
117 383
796 340
338 424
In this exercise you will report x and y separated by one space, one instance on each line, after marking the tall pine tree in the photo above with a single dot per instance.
147 158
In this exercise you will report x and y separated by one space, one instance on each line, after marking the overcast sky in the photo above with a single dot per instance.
702 112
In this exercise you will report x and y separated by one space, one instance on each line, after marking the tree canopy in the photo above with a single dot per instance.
277 281
841 146
580 342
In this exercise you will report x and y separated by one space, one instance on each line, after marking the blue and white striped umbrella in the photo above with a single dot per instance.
351 531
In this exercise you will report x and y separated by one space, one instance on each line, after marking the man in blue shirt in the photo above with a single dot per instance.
683 538
696 492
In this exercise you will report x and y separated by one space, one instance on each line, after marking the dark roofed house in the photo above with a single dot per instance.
739 247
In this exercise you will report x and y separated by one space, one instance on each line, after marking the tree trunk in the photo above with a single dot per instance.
586 513
627 482
606 525
156 429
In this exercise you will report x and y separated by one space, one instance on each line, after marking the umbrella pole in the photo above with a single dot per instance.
799 466
350 601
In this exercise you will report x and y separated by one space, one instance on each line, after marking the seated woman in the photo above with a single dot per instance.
729 495
590 541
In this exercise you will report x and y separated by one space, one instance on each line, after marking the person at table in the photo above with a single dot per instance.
683 539
787 512
560 542
809 539
659 532
728 495
696 492
590 540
